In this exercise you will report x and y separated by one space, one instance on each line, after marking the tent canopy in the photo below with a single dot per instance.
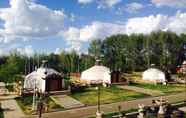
153 74
96 74
37 78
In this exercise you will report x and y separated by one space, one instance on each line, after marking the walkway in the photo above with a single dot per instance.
84 112
9 105
11 109
142 90
67 102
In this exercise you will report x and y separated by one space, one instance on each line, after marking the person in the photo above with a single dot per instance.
40 107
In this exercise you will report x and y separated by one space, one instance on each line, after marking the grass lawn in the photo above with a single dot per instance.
107 95
171 88
26 104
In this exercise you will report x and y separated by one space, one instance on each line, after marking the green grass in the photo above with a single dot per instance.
25 104
171 88
108 95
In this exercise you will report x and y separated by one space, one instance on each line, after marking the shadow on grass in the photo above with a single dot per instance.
1 113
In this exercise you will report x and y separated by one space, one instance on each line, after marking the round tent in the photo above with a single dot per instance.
154 75
96 74
45 79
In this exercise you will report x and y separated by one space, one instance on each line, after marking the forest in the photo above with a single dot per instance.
120 52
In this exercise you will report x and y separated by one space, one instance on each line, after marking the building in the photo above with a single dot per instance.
154 75
44 79
97 74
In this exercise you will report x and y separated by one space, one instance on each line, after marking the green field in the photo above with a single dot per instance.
107 95
26 104
170 88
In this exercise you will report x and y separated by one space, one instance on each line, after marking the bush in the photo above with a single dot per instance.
77 85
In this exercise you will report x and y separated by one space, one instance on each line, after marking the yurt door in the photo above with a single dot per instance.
53 84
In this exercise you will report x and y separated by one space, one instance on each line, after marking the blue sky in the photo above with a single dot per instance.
47 26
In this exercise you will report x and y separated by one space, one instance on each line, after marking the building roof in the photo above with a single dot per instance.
96 74
42 72
154 74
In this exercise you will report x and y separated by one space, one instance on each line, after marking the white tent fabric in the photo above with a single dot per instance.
37 78
154 75
96 74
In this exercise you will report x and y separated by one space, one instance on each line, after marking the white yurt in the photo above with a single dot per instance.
154 75
44 79
97 74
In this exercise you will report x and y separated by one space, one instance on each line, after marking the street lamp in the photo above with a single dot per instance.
183 70
34 97
98 113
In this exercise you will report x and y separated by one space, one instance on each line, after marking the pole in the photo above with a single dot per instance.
99 99
25 66
185 89
34 94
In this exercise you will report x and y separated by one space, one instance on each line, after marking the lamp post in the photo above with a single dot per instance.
98 101
34 97
40 106
98 113
183 69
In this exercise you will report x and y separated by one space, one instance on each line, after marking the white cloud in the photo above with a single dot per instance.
72 35
27 50
151 23
93 31
107 3
177 23
101 3
3 52
170 3
85 1
133 7
145 25
26 19
72 17
96 30
57 51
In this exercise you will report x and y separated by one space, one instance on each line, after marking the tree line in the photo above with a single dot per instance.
121 52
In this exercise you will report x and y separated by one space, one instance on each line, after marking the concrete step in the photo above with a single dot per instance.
67 102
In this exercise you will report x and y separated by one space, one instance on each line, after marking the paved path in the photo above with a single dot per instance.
67 102
142 90
7 97
9 105
11 109
84 112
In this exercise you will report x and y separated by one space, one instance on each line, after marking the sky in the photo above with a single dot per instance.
52 26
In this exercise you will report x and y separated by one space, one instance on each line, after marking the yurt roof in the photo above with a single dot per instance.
98 68
154 74
43 73
96 74
155 70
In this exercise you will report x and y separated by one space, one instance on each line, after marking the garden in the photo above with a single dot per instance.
25 103
167 89
111 94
